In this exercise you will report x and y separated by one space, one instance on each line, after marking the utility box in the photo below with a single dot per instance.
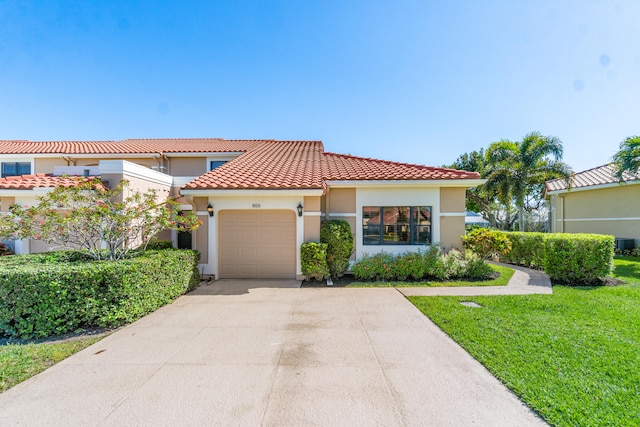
625 244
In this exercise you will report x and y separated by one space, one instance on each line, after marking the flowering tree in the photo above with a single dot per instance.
102 221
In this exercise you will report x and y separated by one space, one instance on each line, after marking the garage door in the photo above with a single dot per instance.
257 244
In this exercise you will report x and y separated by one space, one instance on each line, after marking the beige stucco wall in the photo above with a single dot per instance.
451 232
341 200
201 203
312 228
452 200
187 166
312 204
46 165
614 210
6 202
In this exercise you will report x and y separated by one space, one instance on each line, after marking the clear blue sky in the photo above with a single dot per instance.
413 81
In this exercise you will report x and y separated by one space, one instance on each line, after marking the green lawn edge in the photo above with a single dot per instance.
571 356
502 280
19 362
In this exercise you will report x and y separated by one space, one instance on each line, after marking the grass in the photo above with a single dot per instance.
505 274
20 362
573 357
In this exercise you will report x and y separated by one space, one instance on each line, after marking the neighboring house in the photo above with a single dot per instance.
596 203
258 200
474 218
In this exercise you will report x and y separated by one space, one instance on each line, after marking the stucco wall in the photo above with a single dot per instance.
45 165
187 166
341 200
201 238
312 218
452 200
614 210
6 202
451 232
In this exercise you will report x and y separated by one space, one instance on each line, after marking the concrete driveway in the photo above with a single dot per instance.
257 353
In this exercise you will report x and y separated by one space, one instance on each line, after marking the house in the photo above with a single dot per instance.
596 202
258 200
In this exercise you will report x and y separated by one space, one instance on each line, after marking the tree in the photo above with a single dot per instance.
518 170
627 159
478 199
102 221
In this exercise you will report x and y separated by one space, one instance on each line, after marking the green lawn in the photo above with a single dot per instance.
19 362
501 280
574 356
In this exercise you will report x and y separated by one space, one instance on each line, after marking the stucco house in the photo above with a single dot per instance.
596 202
258 200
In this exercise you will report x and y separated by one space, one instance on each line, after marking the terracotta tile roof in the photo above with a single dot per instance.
600 175
128 146
264 164
304 165
29 182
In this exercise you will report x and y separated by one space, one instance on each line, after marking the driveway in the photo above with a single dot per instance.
268 353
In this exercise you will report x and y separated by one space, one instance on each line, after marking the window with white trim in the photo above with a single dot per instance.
15 168
396 225
216 164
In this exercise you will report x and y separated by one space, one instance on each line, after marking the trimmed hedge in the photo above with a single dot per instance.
60 292
313 257
574 259
527 249
336 233
578 258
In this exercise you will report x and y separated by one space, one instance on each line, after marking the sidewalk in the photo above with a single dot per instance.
525 281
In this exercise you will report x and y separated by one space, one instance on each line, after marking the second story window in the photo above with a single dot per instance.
15 168
216 164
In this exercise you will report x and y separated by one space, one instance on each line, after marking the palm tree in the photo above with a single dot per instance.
627 159
519 169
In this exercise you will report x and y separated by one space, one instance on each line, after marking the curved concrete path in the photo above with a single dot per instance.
525 281
254 353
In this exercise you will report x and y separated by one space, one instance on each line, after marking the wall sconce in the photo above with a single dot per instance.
300 209
210 209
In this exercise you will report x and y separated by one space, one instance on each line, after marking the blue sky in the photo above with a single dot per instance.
412 81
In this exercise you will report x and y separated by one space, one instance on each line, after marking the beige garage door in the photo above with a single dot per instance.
257 244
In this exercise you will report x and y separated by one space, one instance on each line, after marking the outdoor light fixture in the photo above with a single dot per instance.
210 209
299 209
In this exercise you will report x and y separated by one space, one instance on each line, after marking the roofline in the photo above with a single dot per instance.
35 191
592 187
252 192
202 153
466 183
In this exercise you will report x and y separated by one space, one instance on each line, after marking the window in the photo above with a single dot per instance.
216 164
396 225
15 168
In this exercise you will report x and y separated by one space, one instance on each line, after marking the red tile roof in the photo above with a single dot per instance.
600 175
264 164
29 182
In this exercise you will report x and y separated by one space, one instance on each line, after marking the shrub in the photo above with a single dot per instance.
476 268
157 245
313 257
336 233
527 249
59 292
578 258
374 267
486 242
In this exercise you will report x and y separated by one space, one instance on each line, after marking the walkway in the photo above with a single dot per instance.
524 281
255 353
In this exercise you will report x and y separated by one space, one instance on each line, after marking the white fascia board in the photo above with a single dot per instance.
466 183
179 181
593 187
215 154
95 156
39 191
127 168
266 193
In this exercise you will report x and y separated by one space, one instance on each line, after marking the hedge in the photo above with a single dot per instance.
60 292
527 249
313 257
578 258
573 259
336 233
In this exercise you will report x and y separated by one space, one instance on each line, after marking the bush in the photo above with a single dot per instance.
578 258
486 242
527 249
313 257
431 264
157 245
336 233
60 292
